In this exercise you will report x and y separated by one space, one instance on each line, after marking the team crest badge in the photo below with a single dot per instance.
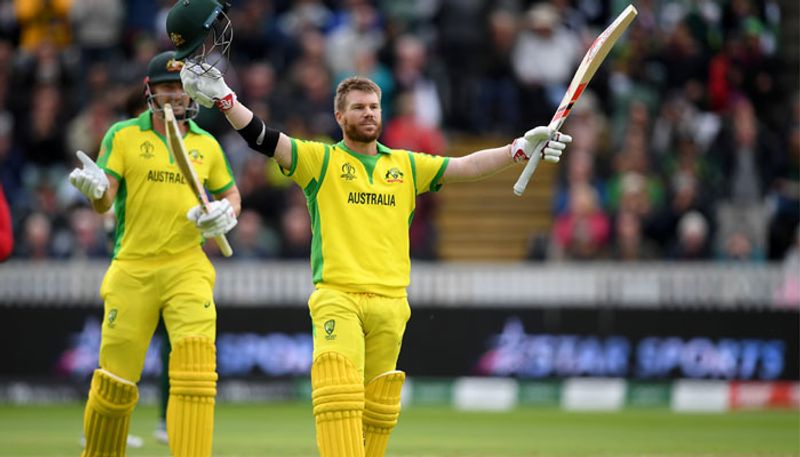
146 150
196 156
394 175
112 317
348 172
177 39
174 65
329 327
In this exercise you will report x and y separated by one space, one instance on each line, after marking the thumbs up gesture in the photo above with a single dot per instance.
91 180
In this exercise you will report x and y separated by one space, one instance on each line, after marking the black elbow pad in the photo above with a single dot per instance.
259 137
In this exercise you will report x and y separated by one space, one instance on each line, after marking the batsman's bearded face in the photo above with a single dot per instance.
361 119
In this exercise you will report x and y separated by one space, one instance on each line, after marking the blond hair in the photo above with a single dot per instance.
350 84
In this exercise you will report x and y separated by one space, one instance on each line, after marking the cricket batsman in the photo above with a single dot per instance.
158 267
361 197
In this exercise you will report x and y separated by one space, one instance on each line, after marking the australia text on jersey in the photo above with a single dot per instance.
370 198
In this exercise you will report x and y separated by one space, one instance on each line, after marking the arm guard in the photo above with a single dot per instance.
259 137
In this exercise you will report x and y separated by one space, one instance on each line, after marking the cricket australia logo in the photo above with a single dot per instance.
196 156
348 172
174 66
112 317
146 149
393 175
329 327
177 39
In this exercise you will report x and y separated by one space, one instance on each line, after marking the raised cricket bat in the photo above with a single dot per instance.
591 62
175 142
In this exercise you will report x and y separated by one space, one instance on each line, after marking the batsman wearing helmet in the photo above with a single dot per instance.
361 198
158 267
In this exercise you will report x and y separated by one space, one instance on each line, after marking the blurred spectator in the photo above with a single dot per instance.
630 243
6 228
132 70
785 195
43 20
361 33
296 228
497 105
741 221
258 82
312 92
36 238
685 196
685 60
12 161
87 239
583 232
544 60
589 129
459 33
304 15
692 240
405 131
97 25
259 194
45 67
579 172
737 247
43 132
250 240
745 154
633 160
86 130
257 35
411 73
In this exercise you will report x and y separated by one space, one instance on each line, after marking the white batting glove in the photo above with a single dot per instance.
204 83
219 220
551 143
91 180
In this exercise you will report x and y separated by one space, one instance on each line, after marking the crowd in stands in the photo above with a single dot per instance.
686 146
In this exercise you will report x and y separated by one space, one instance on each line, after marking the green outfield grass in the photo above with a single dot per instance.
288 430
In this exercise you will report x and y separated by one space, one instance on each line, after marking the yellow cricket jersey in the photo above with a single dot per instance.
153 196
361 207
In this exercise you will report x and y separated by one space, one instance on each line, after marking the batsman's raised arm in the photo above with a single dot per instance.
486 162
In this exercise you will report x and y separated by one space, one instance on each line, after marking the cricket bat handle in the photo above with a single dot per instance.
224 246
527 172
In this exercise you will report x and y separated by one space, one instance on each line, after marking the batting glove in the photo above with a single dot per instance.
91 180
551 144
219 219
205 84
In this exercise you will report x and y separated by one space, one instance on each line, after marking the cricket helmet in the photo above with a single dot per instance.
189 23
164 68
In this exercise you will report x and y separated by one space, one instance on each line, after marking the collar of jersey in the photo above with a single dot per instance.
145 122
381 149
